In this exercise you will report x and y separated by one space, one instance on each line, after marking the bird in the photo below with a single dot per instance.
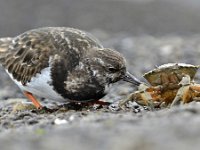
62 64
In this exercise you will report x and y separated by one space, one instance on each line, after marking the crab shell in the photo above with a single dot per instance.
180 69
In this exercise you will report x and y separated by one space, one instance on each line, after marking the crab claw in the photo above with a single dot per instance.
131 78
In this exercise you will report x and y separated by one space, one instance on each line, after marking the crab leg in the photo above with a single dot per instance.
195 92
131 97
195 87
184 92
145 96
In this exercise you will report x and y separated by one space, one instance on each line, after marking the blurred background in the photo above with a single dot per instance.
155 17
147 32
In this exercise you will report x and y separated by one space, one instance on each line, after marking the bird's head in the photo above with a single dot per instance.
110 65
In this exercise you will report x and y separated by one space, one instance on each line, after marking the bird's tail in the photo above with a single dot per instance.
4 44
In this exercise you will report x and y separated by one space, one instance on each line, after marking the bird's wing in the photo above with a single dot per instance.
28 54
31 51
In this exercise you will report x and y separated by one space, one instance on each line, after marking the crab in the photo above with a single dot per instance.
169 84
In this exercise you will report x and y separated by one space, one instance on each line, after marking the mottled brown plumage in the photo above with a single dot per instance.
29 53
72 62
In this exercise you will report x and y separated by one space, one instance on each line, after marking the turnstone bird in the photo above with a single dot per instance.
62 63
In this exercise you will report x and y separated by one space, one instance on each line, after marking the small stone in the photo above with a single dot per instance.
22 106
58 121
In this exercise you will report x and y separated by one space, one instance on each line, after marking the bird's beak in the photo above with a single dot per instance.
132 79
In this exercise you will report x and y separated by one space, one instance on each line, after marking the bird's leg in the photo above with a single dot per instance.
91 103
88 103
103 103
33 99
184 92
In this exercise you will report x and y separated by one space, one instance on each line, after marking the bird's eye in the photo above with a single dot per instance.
112 70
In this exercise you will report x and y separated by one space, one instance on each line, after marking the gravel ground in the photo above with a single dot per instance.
105 128
148 33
